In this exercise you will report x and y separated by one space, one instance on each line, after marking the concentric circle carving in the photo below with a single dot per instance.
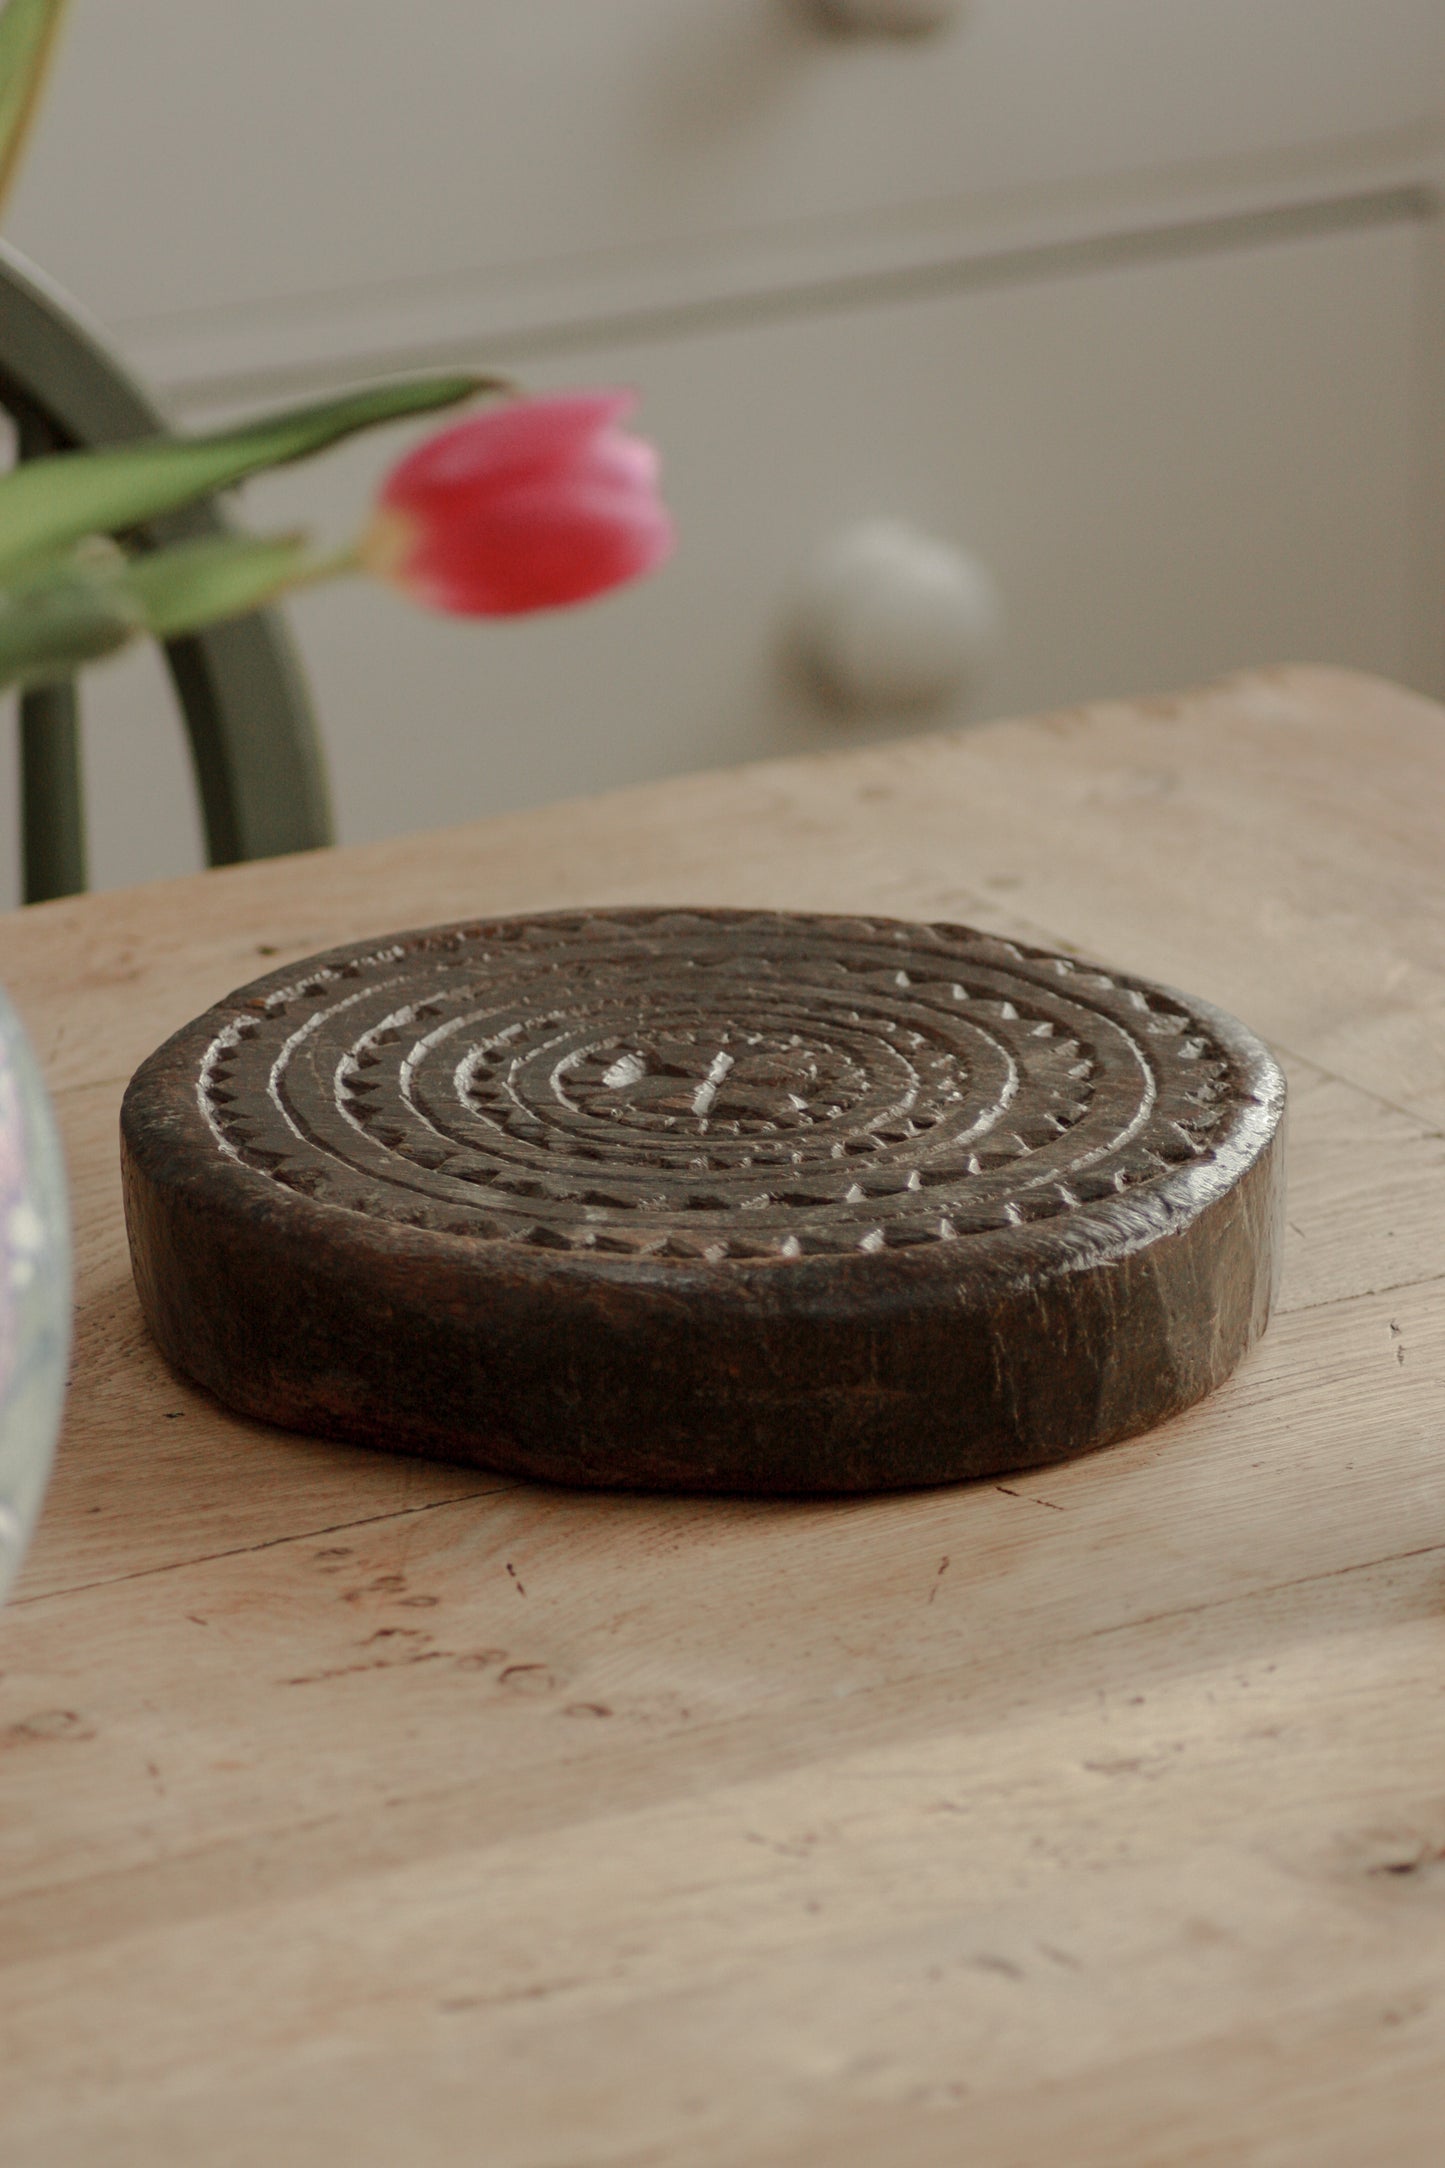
709 1093
708 1086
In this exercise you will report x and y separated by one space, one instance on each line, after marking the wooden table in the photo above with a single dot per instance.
360 1810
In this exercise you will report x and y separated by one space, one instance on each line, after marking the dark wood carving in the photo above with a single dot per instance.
714 1200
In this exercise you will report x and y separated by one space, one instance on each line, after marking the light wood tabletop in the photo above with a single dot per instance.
356 1808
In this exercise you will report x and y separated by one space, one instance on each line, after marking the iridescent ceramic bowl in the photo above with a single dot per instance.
34 1290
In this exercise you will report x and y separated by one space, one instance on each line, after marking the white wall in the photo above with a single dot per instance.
1133 300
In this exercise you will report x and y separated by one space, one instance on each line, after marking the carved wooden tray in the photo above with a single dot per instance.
714 1200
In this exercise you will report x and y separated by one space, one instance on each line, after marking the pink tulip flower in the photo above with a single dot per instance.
534 505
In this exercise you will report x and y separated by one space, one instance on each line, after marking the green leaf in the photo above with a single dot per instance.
27 42
199 583
48 503
98 599
75 616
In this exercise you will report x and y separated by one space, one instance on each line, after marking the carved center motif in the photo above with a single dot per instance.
711 1085
732 1082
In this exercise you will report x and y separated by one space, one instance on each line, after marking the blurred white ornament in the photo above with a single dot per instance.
889 617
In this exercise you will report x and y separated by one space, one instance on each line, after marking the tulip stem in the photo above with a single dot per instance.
329 568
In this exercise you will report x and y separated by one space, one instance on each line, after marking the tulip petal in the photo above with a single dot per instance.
534 506
527 436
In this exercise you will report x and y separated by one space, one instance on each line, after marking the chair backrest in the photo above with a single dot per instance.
253 739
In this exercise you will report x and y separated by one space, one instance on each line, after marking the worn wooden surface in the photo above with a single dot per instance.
771 1203
358 1808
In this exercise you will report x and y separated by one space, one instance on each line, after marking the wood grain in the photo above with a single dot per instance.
351 1807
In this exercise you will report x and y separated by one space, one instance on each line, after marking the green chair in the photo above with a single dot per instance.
253 740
